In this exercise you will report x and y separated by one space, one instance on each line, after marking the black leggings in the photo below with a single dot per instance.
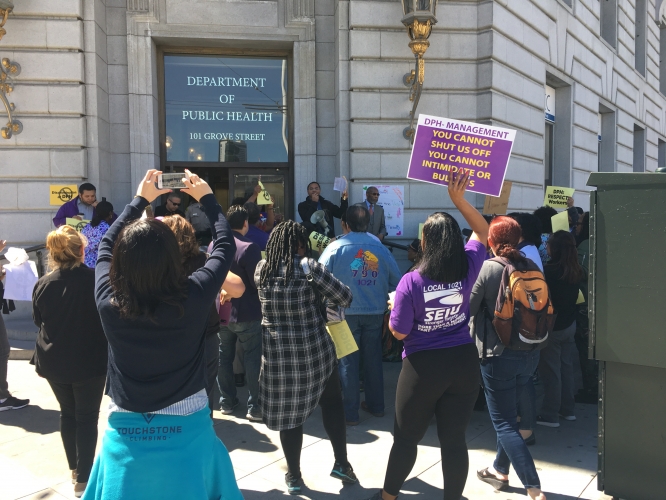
79 412
443 382
333 415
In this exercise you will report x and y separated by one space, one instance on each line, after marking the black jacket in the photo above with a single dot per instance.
308 207
71 346
563 295
161 211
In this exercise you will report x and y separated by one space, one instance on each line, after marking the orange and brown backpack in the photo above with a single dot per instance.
524 315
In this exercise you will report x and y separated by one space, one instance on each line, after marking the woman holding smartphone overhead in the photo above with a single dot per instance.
160 441
440 370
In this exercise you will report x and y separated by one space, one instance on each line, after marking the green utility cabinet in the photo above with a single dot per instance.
627 308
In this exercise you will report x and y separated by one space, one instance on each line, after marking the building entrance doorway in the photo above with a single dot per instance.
232 183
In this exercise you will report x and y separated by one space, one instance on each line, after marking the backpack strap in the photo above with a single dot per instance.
499 260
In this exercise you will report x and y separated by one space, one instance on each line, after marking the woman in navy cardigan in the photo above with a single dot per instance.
160 441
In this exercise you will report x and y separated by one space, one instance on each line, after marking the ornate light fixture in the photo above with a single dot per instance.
419 18
8 70
6 7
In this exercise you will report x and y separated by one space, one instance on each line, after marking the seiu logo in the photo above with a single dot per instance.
442 314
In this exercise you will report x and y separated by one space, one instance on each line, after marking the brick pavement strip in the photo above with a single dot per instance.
33 462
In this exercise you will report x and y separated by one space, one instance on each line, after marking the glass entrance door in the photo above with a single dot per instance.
242 183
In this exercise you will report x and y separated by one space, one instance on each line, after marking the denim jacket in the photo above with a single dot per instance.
366 266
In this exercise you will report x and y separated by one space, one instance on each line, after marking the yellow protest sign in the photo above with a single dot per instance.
319 241
421 230
581 298
498 205
557 197
560 222
263 198
342 338
60 194
263 254
77 224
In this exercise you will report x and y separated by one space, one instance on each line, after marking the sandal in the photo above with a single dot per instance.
488 477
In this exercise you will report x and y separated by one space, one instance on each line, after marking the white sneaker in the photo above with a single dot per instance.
546 423
253 417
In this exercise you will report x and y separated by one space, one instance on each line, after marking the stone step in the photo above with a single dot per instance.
19 323
21 349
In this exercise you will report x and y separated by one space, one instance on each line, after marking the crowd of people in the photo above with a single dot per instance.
169 313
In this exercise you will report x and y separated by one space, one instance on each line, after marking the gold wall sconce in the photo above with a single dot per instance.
6 6
8 70
419 18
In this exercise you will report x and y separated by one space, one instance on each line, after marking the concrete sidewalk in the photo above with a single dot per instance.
33 462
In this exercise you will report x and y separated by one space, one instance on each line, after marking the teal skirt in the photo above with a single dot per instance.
145 455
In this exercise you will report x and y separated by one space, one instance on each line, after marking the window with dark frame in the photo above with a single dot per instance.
662 61
609 21
640 38
639 149
223 109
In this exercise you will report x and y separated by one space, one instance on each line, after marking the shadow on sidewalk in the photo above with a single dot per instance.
348 492
236 435
33 419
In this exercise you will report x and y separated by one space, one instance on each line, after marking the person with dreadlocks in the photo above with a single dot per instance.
299 364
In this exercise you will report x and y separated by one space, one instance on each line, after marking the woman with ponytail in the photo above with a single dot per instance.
505 372
71 349
563 275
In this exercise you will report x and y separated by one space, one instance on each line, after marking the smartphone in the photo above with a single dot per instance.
170 181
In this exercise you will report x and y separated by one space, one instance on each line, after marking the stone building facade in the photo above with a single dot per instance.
91 92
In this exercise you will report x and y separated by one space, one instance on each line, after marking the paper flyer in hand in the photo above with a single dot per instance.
560 222
342 338
340 184
557 197
76 223
263 198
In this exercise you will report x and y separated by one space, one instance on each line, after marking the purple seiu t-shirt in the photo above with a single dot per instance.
435 315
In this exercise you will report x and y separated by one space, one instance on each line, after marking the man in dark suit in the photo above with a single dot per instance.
377 225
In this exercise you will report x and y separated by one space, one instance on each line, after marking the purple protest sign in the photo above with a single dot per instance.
443 145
